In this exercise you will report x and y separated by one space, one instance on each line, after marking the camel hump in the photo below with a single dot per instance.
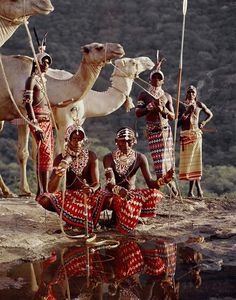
23 58
59 74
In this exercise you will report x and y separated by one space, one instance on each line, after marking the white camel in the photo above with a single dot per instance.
12 14
98 104
95 55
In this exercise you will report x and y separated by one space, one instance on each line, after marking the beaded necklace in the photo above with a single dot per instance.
79 160
157 92
123 161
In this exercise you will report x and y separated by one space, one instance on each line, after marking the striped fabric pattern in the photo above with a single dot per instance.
161 148
190 167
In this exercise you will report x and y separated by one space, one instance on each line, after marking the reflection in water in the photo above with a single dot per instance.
151 269
131 271
191 258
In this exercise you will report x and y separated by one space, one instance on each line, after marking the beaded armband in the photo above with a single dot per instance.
28 96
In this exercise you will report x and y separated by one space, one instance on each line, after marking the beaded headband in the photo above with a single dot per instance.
127 134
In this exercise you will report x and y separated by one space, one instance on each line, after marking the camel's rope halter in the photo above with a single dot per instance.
136 76
15 21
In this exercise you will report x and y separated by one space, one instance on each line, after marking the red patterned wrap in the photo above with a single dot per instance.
46 146
160 257
160 144
74 207
141 203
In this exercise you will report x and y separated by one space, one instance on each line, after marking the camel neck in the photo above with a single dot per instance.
122 84
6 30
87 74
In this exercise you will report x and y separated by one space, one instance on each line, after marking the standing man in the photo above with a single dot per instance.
190 167
35 100
157 108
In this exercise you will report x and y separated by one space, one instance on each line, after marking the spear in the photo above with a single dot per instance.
185 4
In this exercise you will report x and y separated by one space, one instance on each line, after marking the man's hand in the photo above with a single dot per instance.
39 135
152 106
123 192
169 176
202 124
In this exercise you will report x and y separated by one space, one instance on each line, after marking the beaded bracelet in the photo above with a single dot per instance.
116 189
160 181
65 161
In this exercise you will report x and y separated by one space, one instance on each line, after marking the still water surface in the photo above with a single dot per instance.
148 268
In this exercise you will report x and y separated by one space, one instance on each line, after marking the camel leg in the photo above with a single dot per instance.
1 125
6 193
23 155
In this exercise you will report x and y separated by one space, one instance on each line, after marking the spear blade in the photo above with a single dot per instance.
185 6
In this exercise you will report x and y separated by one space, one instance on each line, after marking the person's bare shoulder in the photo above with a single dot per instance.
168 96
92 155
107 157
141 157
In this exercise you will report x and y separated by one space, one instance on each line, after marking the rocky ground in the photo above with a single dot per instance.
28 232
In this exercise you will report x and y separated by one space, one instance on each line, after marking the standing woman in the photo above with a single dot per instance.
190 167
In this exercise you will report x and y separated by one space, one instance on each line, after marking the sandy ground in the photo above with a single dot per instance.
27 231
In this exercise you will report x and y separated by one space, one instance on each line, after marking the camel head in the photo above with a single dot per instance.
15 10
97 53
131 67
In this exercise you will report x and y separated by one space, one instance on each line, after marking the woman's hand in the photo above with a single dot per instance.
64 164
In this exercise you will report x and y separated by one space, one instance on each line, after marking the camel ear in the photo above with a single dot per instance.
123 62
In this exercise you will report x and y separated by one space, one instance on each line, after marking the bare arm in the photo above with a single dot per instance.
147 175
28 98
208 113
141 107
168 110
109 174
111 185
94 170
58 173
144 166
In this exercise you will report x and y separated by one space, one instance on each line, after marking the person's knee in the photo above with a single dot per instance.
45 203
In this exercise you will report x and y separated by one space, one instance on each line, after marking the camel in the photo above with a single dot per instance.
98 104
95 55
12 14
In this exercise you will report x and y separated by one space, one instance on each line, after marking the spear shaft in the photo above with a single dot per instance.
185 4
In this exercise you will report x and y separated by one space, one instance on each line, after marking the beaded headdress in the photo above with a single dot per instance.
76 126
157 67
41 48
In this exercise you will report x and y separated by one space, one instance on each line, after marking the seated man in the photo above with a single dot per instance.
121 167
